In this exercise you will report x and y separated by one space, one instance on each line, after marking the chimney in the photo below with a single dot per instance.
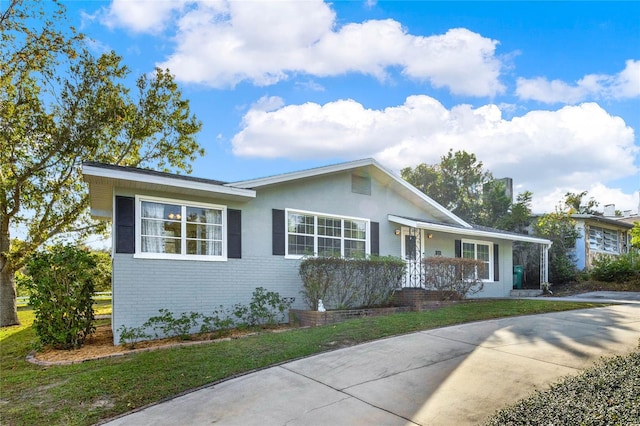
610 210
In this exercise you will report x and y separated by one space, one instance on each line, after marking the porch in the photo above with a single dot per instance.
421 239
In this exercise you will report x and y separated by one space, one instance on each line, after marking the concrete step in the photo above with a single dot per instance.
526 293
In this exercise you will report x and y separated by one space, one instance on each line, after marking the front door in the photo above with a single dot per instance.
411 251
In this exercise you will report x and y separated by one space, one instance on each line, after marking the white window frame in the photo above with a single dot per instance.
183 255
315 235
475 244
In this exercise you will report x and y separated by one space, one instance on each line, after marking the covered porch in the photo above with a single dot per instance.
420 239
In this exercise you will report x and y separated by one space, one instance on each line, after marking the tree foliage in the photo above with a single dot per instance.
560 228
575 204
461 184
635 235
456 183
60 106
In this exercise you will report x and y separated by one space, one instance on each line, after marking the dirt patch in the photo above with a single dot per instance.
100 345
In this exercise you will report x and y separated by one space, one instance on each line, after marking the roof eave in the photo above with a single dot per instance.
92 173
467 231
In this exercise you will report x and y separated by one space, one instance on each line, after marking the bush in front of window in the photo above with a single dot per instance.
453 275
343 283
614 268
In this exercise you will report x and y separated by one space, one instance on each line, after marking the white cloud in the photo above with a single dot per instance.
624 85
141 16
574 148
221 44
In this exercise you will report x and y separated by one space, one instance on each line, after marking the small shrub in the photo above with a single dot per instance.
267 307
219 321
453 276
170 326
62 285
132 335
613 268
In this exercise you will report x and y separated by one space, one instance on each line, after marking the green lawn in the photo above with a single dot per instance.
85 393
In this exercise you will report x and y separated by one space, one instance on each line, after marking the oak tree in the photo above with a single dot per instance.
60 106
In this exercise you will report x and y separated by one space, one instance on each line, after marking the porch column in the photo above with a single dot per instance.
544 264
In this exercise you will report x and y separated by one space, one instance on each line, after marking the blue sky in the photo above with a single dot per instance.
547 93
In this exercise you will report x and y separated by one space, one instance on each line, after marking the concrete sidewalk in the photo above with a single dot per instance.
455 375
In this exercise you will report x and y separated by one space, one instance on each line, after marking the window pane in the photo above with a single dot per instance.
161 245
355 249
483 273
468 250
206 248
204 215
329 247
329 227
355 229
301 224
482 252
205 232
301 244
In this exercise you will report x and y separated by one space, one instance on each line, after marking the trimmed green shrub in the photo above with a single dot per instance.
347 283
62 285
453 275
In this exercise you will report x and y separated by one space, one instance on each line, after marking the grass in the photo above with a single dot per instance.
83 394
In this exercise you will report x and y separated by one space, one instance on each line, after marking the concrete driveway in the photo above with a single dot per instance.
455 375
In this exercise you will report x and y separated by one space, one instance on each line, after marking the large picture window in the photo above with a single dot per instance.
603 239
172 229
314 234
482 252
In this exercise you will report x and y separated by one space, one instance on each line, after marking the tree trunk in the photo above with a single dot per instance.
8 305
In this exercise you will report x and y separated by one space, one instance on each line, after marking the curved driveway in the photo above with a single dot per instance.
448 376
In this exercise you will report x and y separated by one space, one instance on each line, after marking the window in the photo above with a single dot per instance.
479 251
173 229
603 239
325 236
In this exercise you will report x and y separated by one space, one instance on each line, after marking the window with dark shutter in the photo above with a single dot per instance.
234 234
278 233
458 248
375 238
125 238
496 263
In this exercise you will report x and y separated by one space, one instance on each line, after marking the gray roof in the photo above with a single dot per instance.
153 173
602 219
473 226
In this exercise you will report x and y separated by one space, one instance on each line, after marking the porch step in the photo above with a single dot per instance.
526 293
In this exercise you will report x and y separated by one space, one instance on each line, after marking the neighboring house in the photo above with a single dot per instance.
189 244
599 235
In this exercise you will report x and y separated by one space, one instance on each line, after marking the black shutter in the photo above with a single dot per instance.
125 224
496 263
278 234
458 248
234 234
375 238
